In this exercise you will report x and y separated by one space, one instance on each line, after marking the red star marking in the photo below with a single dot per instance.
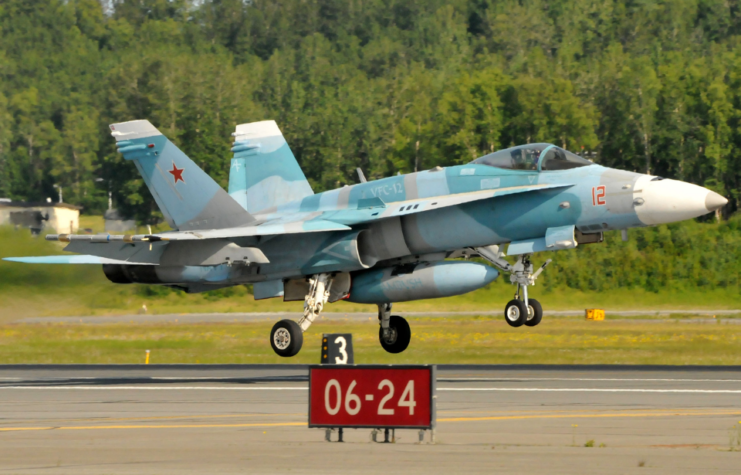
177 173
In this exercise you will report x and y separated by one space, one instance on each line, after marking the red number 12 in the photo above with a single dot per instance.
598 195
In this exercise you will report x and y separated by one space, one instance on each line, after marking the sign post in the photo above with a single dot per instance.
372 396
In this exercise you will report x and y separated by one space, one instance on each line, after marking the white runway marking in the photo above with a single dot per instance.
504 380
594 390
296 388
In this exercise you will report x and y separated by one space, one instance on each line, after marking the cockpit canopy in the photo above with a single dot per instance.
528 157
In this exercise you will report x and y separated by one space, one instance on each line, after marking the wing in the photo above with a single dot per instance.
76 259
290 225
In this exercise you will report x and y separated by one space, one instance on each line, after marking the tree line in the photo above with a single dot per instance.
387 85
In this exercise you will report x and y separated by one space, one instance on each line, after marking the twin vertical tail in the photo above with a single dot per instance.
264 173
188 198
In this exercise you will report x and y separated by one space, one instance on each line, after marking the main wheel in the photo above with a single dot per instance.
286 338
399 336
534 313
515 313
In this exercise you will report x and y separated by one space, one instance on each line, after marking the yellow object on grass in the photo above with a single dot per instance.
595 314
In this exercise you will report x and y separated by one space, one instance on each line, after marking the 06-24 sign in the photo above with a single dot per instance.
371 396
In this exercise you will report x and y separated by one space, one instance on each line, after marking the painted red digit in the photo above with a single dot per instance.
601 195
598 196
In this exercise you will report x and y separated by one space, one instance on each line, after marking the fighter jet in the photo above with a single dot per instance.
402 238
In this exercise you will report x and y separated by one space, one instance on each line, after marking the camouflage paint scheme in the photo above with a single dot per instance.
391 235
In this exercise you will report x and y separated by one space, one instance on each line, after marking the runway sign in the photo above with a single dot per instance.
373 396
337 348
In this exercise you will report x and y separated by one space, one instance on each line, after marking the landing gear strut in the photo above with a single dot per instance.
524 310
287 337
394 333
521 310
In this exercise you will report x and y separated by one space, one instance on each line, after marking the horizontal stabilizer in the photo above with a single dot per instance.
76 259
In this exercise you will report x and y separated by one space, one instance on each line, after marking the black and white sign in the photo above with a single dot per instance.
337 348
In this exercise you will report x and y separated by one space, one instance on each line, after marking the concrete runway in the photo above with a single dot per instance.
252 419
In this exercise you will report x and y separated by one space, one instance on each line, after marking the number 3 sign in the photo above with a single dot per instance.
372 396
337 348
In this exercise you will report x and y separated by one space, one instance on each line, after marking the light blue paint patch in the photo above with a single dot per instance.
451 278
268 289
559 234
490 183
323 225
265 174
76 259
527 246
206 273
328 199
432 183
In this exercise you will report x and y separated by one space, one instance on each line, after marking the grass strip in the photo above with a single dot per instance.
462 340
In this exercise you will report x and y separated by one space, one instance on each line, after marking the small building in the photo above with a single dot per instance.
63 218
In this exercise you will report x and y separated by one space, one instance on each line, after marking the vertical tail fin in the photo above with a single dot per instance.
186 195
264 172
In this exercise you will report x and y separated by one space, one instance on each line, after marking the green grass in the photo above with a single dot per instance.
434 340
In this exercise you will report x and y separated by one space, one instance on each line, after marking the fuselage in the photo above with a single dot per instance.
592 198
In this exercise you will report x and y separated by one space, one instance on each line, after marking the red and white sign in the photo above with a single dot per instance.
371 396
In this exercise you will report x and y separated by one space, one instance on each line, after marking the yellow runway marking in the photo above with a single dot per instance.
589 416
450 419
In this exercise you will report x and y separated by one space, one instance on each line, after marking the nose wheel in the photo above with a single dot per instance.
521 310
534 313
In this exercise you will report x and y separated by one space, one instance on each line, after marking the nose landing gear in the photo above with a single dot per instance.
531 312
521 310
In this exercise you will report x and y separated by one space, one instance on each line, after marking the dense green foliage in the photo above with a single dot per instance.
389 85
676 257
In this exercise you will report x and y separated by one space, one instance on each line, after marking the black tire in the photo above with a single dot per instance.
537 311
515 313
403 335
289 338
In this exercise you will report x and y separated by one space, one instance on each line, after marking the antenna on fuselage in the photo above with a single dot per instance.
361 176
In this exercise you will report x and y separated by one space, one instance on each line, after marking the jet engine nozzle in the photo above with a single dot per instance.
660 201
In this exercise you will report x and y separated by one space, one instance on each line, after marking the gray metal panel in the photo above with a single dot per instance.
140 252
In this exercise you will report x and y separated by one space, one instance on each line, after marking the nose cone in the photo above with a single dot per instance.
668 201
714 201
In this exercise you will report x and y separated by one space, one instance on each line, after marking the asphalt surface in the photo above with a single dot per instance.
701 314
252 419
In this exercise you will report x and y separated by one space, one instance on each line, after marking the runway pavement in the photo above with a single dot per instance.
252 419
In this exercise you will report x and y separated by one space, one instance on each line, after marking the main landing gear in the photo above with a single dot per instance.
287 336
521 310
394 333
